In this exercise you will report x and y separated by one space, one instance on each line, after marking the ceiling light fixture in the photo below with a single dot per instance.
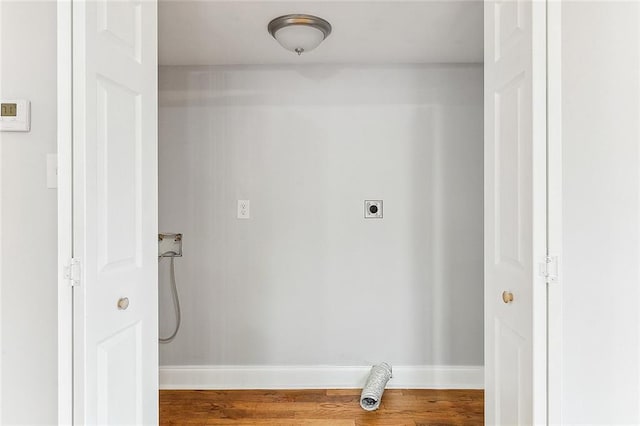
299 33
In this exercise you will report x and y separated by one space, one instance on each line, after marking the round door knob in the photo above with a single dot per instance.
507 297
123 303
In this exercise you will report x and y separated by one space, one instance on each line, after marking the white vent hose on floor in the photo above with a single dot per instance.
174 295
374 388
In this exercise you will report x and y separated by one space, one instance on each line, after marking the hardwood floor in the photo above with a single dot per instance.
320 407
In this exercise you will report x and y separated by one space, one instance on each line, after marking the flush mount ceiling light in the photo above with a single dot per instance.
299 33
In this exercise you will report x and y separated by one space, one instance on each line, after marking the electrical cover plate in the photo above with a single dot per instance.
373 209
169 245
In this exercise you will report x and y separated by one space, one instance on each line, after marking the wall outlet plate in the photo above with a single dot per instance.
373 209
169 245
244 209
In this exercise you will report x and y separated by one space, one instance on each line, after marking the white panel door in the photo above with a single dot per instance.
115 211
515 212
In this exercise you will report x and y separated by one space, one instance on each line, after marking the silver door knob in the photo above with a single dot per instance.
123 303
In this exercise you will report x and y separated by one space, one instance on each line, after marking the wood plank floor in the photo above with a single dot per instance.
320 407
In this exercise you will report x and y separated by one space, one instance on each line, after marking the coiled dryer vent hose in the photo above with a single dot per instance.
374 388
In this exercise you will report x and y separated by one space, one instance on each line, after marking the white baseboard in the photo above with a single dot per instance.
311 377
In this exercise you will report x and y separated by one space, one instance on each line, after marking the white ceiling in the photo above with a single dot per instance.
235 32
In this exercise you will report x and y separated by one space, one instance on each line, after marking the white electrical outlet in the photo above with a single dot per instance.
244 211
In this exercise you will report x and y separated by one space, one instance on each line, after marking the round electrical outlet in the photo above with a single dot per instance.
373 209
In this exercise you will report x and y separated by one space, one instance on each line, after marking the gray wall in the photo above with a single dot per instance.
28 224
307 280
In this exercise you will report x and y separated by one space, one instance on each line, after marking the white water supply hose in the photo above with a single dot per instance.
374 388
174 295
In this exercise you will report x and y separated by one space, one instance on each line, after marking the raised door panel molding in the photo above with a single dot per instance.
119 374
120 23
118 150
509 26
508 353
508 182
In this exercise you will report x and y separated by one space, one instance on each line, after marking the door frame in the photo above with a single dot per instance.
554 209
65 210
550 310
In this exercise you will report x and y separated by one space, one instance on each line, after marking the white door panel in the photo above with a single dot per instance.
515 212
115 211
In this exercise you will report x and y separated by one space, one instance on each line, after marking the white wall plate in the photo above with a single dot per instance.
373 209
169 245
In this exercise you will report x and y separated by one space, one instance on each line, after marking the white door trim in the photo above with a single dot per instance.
65 224
539 43
554 220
